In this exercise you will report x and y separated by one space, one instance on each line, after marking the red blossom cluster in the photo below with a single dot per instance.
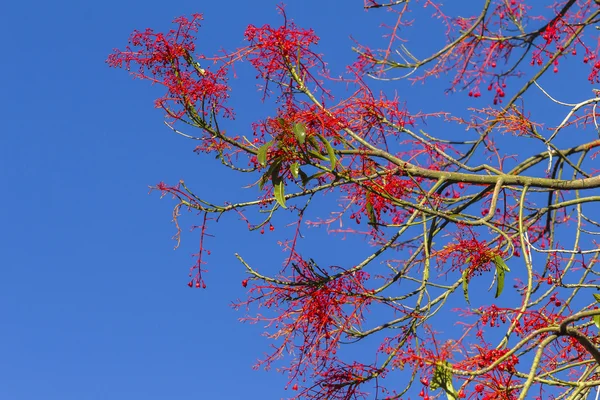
168 59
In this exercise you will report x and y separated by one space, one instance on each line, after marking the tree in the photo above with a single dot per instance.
448 200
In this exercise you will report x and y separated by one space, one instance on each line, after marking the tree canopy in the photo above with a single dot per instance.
483 214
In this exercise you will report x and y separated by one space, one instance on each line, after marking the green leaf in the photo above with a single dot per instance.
500 262
501 269
303 177
309 178
330 152
596 319
300 132
278 190
371 214
294 169
465 284
261 156
313 141
596 297
281 122
442 378
500 287
272 171
263 179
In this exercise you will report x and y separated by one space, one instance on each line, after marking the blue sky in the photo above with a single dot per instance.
93 299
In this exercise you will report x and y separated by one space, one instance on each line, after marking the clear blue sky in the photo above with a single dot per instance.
93 299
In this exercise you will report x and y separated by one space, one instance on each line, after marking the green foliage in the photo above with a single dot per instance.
300 132
501 269
442 378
